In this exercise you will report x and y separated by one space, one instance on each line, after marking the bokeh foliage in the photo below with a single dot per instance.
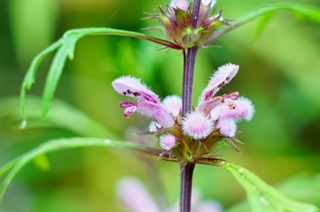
279 71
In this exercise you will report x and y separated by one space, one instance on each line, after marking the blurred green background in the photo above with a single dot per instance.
279 72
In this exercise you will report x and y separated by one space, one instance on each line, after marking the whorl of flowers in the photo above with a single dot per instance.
212 121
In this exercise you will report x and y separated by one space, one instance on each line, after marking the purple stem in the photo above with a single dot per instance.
189 56
186 186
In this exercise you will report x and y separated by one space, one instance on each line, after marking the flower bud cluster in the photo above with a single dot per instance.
188 138
177 22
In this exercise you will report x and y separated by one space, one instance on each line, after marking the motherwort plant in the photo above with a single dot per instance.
187 135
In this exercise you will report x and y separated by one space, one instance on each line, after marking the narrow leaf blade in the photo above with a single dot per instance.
261 196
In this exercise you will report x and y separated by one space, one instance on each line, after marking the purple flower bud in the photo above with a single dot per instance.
167 141
130 108
197 125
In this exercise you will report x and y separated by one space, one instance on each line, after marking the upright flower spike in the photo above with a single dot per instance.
147 104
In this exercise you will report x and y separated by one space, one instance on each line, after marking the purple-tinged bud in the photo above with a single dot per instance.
227 127
173 104
197 125
180 4
130 108
167 141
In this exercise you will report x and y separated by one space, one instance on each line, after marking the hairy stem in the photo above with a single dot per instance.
189 57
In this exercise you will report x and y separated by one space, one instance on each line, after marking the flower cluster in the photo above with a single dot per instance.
181 28
188 138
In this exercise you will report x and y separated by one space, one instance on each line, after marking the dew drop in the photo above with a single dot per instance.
23 124
107 141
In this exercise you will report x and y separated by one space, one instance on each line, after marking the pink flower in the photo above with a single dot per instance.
197 125
167 141
215 115
147 104
137 198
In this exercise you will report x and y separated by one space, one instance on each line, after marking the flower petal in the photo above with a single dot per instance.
130 108
156 111
227 127
211 103
173 104
240 108
167 141
180 4
221 77
131 86
197 125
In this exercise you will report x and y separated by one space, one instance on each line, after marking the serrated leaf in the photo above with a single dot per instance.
263 197
29 78
42 162
66 49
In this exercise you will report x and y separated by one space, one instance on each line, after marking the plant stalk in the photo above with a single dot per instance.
189 56
186 186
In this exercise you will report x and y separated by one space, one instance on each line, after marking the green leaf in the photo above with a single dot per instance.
17 164
29 78
66 46
309 12
42 162
61 115
53 78
261 196
262 24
